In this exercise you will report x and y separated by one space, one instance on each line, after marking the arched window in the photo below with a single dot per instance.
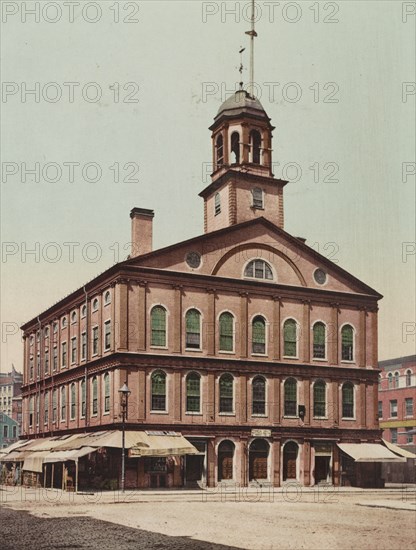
390 379
225 460
158 326
83 399
94 396
258 201
290 338
319 400
319 337
226 331
290 397
95 304
347 339
348 400
220 150
396 379
226 394
107 297
235 148
73 401
83 311
259 395
259 335
193 392
258 269
74 317
408 378
106 392
217 204
379 381
255 146
159 391
193 329
63 403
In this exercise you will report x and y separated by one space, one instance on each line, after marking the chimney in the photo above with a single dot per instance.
141 231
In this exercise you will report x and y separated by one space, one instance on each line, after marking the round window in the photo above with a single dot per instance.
320 276
193 259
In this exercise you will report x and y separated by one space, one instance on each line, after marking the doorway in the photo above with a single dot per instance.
322 468
290 455
225 460
258 460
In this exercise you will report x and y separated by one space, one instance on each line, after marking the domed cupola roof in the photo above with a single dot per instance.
239 105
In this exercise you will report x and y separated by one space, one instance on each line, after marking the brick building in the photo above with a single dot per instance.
397 401
257 349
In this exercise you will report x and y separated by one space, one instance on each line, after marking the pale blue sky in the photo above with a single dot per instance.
170 53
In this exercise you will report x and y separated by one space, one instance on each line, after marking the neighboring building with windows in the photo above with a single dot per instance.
257 349
9 430
11 395
397 401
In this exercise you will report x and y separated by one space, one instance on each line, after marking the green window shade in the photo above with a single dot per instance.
226 332
259 335
193 329
347 337
319 341
290 338
347 401
319 404
159 391
226 393
193 396
290 397
259 396
158 322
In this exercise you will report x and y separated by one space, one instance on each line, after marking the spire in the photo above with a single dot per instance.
252 33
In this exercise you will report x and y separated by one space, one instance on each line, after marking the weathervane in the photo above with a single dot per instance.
252 33
240 70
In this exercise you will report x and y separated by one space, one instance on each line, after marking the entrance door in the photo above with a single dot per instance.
321 468
194 468
225 460
290 455
258 455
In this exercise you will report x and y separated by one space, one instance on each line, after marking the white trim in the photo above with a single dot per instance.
272 268
195 413
107 303
201 316
166 409
319 285
232 413
354 386
92 341
219 332
311 398
282 397
354 333
266 408
282 336
325 340
149 316
107 321
282 456
266 335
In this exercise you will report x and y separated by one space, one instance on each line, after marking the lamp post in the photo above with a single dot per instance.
124 395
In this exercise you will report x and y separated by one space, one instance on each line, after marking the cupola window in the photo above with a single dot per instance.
235 148
255 146
220 150
217 204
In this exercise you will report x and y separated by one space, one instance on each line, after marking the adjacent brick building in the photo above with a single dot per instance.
11 395
259 350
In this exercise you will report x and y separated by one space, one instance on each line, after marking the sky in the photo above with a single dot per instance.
106 106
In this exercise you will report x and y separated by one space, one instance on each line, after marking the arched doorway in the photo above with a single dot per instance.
258 460
290 455
225 460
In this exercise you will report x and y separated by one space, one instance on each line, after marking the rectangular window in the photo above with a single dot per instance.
31 410
95 341
46 409
46 362
408 403
55 358
380 409
73 350
54 404
31 368
107 335
393 432
38 365
6 431
83 346
409 436
393 408
64 353
14 432
83 399
63 404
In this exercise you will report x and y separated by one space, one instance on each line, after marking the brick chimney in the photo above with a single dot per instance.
141 231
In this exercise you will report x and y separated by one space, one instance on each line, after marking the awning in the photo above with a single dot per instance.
63 456
369 452
398 450
161 445
34 461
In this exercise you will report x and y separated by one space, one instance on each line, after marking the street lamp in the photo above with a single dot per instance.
124 396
